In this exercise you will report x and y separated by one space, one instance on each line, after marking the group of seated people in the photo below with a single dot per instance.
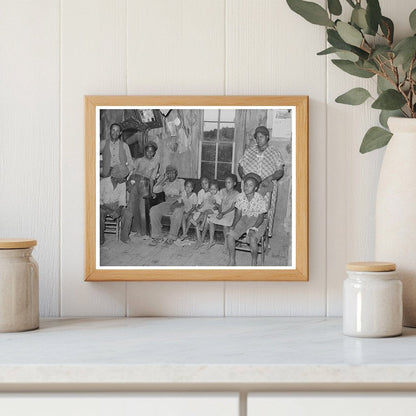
238 213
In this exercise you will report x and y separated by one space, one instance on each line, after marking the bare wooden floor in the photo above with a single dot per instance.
139 253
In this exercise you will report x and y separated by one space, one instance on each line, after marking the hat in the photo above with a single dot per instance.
263 130
151 144
254 176
119 172
171 168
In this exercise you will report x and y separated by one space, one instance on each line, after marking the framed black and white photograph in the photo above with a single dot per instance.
196 188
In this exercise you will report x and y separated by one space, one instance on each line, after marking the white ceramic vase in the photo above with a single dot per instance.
396 210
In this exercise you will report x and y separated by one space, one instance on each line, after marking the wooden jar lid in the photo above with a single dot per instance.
11 243
371 266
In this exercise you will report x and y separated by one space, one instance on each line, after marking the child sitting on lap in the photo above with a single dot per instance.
225 216
210 205
250 210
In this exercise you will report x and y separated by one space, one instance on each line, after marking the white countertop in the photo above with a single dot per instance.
204 351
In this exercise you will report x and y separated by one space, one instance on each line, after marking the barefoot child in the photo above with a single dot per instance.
189 201
250 210
225 214
204 190
210 205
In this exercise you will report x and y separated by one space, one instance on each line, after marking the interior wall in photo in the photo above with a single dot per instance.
210 143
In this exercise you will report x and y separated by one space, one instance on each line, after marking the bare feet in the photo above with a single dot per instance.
197 245
211 244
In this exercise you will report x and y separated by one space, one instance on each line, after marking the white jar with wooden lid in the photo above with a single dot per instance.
19 286
372 300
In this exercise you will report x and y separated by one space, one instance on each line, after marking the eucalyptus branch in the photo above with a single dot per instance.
412 83
368 34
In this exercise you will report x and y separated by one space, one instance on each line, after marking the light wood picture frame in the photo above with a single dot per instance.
200 136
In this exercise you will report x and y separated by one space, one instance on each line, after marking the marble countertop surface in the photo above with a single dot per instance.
204 351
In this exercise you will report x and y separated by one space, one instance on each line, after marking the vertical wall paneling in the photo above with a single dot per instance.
29 143
352 177
175 47
93 62
270 50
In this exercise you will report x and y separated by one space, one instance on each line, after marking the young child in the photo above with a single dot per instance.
204 190
202 194
250 210
225 215
209 205
189 201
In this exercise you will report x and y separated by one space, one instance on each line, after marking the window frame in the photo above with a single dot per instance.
217 143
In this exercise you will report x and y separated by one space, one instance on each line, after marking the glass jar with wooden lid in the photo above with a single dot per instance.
372 300
19 286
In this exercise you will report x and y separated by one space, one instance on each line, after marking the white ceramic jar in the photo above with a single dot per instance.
372 300
19 286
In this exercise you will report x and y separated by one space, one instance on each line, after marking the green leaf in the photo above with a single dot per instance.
327 51
311 12
387 27
348 56
358 18
381 50
405 51
383 84
373 15
389 100
412 20
386 114
371 64
352 68
335 40
356 96
375 138
349 34
334 7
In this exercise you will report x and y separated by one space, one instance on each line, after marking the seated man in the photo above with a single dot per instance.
113 201
172 187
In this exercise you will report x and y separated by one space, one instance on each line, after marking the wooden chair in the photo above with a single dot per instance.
112 226
264 242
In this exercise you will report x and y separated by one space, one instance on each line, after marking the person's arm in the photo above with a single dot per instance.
222 213
158 186
130 163
252 230
275 176
152 179
176 204
240 171
237 217
259 221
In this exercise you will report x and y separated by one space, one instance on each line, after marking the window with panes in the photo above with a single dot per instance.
217 144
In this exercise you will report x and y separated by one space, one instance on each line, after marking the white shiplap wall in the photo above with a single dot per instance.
55 52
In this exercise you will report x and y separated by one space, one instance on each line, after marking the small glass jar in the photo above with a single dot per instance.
19 286
372 300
